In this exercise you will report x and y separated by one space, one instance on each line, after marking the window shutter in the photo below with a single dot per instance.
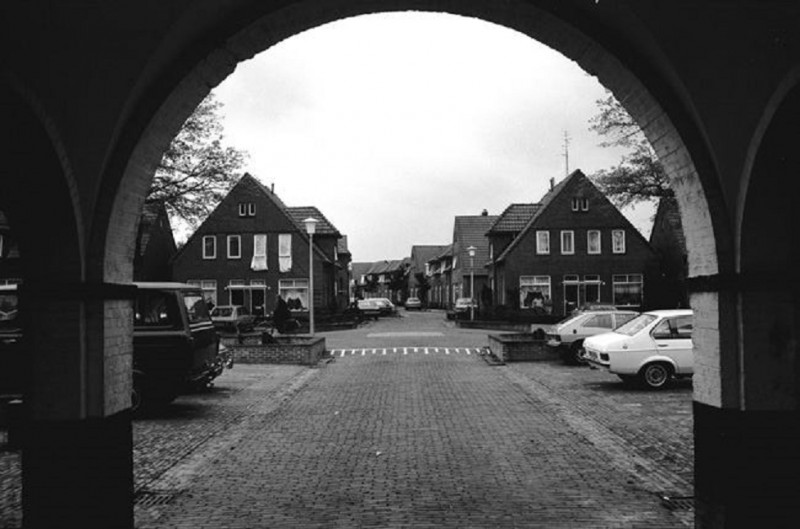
285 252
259 261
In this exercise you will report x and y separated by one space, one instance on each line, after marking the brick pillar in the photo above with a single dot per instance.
77 465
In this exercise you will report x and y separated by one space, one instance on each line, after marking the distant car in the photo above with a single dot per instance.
463 307
413 304
369 308
235 318
567 336
652 348
387 307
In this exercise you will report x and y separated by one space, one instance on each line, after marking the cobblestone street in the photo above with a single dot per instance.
412 437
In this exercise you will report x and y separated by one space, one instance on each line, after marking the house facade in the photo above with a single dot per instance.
575 248
469 231
419 276
253 248
440 269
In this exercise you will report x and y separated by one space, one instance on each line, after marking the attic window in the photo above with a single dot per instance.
576 204
584 204
247 209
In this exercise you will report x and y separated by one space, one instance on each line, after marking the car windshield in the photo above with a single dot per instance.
570 319
196 307
636 324
156 309
221 312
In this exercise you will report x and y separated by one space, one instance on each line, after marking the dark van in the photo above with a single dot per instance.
175 345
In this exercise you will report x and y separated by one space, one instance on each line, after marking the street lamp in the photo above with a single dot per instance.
311 227
471 251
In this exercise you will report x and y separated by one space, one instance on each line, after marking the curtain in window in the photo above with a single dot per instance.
285 252
259 261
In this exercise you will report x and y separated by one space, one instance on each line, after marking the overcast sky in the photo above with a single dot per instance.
393 124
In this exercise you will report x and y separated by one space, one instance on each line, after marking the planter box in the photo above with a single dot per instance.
288 349
520 347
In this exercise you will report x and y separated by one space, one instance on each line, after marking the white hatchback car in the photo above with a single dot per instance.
654 347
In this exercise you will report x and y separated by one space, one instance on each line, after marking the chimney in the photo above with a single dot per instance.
485 213
272 187
552 183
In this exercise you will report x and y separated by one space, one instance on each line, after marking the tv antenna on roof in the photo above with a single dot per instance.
566 153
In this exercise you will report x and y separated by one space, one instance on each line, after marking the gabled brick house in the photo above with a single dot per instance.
470 231
420 269
575 248
155 245
440 269
253 248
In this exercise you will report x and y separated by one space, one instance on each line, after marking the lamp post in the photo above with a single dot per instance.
311 227
471 251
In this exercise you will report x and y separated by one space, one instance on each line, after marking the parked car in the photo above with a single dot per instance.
567 336
652 348
175 345
462 307
413 304
386 306
233 318
369 308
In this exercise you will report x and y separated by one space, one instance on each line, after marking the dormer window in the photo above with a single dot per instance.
247 209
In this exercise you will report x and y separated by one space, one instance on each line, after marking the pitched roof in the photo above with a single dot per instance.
471 231
421 254
514 218
360 269
447 251
300 213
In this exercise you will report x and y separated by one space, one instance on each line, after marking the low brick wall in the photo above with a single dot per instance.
293 349
520 347
493 325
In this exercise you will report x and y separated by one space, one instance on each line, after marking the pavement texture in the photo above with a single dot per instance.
411 438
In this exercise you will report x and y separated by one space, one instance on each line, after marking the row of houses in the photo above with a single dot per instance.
572 248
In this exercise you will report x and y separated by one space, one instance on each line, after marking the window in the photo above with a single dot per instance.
534 293
234 246
294 292
679 328
603 321
196 309
491 251
247 209
209 247
259 261
593 242
584 204
236 295
209 292
285 252
568 242
592 287
258 293
627 290
618 241
155 309
576 204
543 242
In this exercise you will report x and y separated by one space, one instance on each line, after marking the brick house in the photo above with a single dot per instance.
253 248
470 231
383 279
440 269
155 245
573 247
669 242
420 268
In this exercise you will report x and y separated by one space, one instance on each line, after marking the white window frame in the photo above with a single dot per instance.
238 239
576 204
214 246
627 279
599 250
242 209
615 248
536 283
284 252
542 242
584 204
259 261
251 209
567 235
295 285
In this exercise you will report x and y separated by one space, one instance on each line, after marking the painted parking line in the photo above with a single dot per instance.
405 351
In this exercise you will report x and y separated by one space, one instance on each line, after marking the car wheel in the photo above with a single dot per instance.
656 375
576 353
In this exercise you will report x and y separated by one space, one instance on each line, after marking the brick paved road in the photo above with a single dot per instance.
418 440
